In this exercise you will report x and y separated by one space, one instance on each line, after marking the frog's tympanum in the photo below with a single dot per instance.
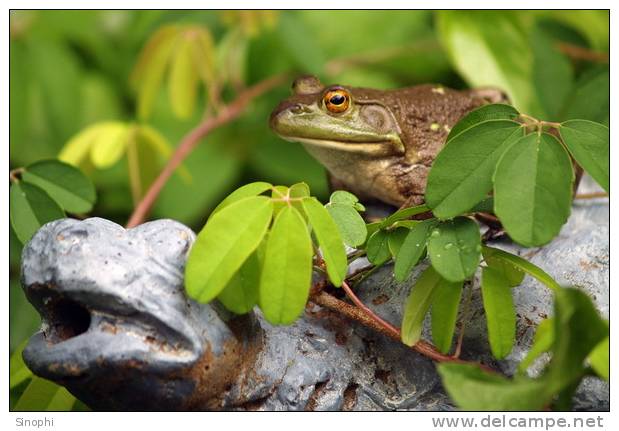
377 144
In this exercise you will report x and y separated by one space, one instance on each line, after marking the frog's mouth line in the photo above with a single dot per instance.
372 148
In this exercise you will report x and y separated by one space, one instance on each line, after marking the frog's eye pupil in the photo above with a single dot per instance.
337 99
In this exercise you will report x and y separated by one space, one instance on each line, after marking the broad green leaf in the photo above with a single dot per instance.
461 174
396 239
589 144
495 111
511 273
30 208
599 359
412 249
377 247
248 190
18 371
287 270
444 313
521 264
299 190
329 240
78 147
109 145
229 237
533 189
485 206
454 248
476 43
578 330
299 43
552 73
473 389
151 66
68 186
500 312
593 24
417 305
43 395
590 98
349 222
542 342
280 195
183 79
404 213
343 197
241 293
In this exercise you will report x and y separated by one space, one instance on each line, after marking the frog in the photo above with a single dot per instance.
377 144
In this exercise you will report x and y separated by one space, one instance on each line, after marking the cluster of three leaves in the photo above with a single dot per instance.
532 174
45 190
231 259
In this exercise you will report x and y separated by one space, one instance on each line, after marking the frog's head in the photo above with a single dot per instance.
338 118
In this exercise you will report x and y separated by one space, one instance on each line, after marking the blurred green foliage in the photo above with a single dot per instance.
71 69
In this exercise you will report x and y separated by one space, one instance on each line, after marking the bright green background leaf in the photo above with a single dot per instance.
226 241
444 313
287 269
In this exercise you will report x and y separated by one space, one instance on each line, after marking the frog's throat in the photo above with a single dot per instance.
391 146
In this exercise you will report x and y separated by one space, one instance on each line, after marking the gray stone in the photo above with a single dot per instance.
119 332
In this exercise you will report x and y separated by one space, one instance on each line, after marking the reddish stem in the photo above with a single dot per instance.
191 139
362 314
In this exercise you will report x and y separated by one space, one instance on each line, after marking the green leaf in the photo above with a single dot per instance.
65 184
417 305
110 143
444 313
512 274
495 111
461 174
377 247
280 195
552 72
18 371
78 147
412 249
599 359
328 235
473 389
520 264
500 312
533 189
299 43
246 191
396 239
578 330
241 293
151 66
183 80
476 43
404 213
589 144
349 222
542 342
225 242
485 206
43 395
343 197
299 190
590 98
30 208
287 271
454 248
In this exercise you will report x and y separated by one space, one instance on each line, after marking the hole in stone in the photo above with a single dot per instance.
68 319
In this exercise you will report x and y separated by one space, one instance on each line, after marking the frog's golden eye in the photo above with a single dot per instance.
337 101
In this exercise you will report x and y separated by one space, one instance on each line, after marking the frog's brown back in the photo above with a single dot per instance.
426 114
